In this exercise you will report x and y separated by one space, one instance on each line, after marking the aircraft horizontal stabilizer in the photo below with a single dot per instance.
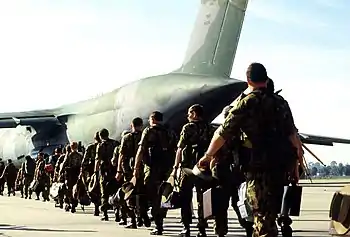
321 140
12 122
314 139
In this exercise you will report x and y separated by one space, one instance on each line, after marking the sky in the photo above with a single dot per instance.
58 52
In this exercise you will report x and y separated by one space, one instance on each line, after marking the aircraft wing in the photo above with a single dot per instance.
314 139
31 118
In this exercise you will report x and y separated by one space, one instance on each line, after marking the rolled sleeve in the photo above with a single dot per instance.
234 120
144 139
184 136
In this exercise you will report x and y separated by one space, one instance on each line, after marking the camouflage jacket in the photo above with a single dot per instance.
90 154
194 139
105 150
157 137
72 160
251 116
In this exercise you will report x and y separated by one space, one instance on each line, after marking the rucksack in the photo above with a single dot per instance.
159 152
272 148
193 152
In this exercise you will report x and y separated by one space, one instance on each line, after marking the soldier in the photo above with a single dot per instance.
60 177
194 139
119 209
87 169
284 221
103 166
127 154
2 181
10 174
156 152
54 158
227 171
19 182
40 176
28 169
70 168
268 125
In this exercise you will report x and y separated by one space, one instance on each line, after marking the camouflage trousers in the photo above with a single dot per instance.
27 180
154 176
264 194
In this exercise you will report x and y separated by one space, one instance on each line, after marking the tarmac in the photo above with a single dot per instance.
24 217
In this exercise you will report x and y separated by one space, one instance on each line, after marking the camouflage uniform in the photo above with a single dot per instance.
127 151
60 179
41 177
87 168
156 169
10 174
264 185
58 164
2 181
104 154
229 177
70 169
28 169
19 182
194 139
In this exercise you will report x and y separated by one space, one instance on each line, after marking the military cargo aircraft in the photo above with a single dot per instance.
203 78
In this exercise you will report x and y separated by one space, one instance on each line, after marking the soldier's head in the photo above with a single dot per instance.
27 157
226 110
270 87
58 150
104 134
9 161
156 117
74 146
137 124
257 75
97 137
195 112
40 156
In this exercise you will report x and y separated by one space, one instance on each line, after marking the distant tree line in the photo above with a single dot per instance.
332 170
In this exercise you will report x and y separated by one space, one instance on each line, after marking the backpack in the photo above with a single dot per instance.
159 153
272 148
192 153
107 149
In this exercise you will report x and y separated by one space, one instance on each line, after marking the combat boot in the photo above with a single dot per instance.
105 216
97 211
123 221
159 227
186 232
286 231
201 232
132 224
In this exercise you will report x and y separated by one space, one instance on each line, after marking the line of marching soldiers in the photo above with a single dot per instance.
140 172
130 177
151 168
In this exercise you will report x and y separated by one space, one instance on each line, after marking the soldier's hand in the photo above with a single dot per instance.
118 176
204 161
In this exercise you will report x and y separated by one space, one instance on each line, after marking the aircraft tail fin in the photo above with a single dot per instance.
215 37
